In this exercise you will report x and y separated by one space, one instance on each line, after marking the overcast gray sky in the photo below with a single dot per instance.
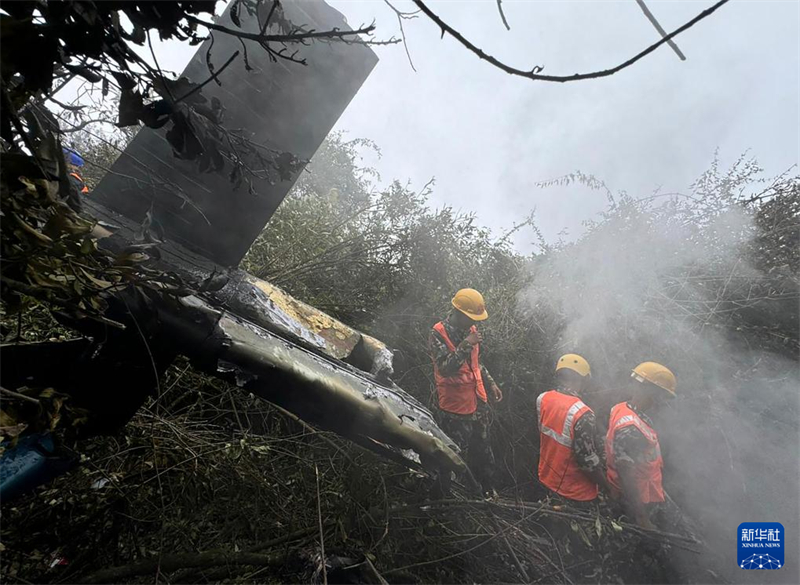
488 137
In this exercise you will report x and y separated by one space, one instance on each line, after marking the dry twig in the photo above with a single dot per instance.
535 73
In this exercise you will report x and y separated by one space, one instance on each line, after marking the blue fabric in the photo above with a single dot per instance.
29 464
73 157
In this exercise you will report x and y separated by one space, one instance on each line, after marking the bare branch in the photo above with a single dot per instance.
174 562
264 26
400 16
659 28
535 74
502 14
84 124
18 396
321 531
296 37
213 77
158 66
64 106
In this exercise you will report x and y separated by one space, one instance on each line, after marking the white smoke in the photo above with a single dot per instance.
669 281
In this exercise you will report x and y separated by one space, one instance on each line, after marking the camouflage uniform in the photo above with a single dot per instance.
469 431
448 361
630 446
584 442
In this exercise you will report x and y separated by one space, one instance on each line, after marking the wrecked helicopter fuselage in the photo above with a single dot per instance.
231 324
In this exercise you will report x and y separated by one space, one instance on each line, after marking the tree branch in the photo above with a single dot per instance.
163 79
290 38
84 124
213 77
36 293
65 106
502 14
534 73
19 396
400 16
269 16
323 560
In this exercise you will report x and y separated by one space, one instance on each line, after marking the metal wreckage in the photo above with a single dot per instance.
233 325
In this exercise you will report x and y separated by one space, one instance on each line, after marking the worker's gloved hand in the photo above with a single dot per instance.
474 337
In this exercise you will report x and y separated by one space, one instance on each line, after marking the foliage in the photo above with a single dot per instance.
99 151
206 468
91 41
48 250
34 411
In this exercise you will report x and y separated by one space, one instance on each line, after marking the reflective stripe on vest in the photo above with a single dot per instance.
647 474
459 394
564 436
558 470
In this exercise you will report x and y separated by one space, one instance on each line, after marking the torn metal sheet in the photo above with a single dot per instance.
314 386
254 299
261 302
254 334
275 304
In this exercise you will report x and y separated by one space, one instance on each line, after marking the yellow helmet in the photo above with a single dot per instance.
470 302
656 374
574 362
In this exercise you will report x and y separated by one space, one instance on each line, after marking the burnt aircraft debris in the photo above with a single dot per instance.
284 107
229 323
252 333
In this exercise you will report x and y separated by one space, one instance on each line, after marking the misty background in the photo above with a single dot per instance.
684 284
489 138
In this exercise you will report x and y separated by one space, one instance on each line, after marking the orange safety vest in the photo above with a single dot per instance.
558 470
647 474
84 189
459 394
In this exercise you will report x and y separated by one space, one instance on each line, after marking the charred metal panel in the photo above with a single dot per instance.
256 300
253 334
284 106
318 390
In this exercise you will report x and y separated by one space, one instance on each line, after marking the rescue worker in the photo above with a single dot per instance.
74 165
569 459
633 453
461 382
